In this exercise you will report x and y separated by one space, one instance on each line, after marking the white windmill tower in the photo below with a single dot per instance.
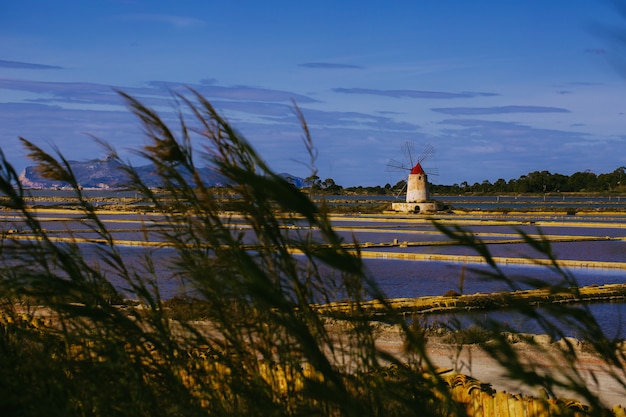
417 195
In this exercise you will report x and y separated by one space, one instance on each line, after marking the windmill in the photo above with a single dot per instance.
417 180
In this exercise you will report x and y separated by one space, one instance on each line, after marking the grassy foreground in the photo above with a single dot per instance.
267 350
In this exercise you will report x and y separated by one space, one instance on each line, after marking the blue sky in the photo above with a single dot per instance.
499 88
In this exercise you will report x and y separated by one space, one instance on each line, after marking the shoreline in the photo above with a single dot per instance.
473 361
484 301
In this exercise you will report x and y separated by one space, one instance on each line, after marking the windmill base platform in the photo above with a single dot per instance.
425 207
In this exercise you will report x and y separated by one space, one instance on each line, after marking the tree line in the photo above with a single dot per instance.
544 182
533 182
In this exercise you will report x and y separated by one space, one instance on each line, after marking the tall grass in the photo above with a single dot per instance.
260 350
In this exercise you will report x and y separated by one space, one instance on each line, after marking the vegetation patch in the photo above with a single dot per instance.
468 336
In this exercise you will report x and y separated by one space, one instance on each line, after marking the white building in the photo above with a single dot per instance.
417 196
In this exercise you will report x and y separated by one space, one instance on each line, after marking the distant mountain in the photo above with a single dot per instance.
297 181
106 174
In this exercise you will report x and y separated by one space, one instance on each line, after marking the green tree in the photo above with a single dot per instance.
313 182
330 186
500 186
582 181
613 180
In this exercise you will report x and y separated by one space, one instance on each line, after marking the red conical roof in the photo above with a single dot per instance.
418 170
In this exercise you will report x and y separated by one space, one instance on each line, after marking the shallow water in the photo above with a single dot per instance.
415 279
399 278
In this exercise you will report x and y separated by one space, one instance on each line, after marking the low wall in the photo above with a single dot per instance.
439 304
426 207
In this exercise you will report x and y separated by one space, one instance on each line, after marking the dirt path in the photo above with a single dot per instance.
473 361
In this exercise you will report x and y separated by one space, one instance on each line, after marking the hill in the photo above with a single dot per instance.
107 175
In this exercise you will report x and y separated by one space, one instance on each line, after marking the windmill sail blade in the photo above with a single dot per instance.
401 190
427 153
409 149
395 166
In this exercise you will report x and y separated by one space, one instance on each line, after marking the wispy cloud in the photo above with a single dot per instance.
509 137
69 129
63 92
356 121
413 93
329 65
172 20
284 113
237 92
473 111
583 83
51 87
596 51
105 94
510 149
26 65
